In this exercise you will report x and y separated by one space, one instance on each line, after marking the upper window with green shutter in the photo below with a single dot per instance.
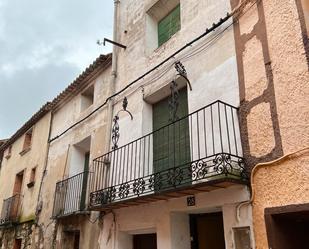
163 20
169 25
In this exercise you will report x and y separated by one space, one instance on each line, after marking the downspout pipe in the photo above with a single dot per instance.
40 199
111 91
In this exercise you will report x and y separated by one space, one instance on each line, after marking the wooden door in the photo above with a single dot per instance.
171 144
207 231
145 241
17 244
18 183
14 204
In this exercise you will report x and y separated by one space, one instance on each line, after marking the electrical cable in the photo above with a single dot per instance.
208 31
215 25
188 56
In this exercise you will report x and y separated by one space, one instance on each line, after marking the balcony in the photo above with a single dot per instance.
70 196
199 152
10 210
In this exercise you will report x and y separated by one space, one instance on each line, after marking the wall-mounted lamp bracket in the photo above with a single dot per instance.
115 129
112 42
180 68
173 101
124 106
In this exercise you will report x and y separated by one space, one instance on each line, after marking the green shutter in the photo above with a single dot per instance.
171 145
169 25
82 205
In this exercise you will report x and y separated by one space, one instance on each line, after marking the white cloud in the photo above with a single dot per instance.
45 41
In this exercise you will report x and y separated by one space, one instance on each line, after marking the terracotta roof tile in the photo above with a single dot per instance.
101 63
35 118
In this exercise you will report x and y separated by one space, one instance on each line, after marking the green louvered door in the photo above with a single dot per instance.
171 144
84 181
169 25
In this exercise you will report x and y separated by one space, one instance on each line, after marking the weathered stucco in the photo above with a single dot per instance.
291 74
279 184
262 132
273 72
170 219
35 157
61 162
16 163
212 69
259 63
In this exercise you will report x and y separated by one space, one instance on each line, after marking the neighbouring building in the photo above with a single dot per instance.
64 218
22 167
175 174
272 56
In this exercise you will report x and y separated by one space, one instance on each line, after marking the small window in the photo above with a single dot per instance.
148 241
9 153
28 140
17 244
169 25
87 98
242 238
32 178
162 22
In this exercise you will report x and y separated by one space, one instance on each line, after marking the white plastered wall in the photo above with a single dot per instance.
213 74
170 219
212 70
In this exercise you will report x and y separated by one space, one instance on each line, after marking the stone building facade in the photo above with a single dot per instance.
175 166
64 216
259 63
157 144
34 162
22 167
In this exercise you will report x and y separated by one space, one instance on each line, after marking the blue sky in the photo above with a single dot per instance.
44 45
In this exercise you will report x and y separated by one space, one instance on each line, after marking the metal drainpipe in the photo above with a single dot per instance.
110 108
40 198
114 77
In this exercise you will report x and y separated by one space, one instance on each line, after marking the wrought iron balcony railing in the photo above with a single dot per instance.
70 195
200 148
10 210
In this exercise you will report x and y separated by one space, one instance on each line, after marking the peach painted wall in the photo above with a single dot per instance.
279 184
274 90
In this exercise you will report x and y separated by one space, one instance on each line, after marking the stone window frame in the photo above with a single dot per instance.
268 217
154 14
9 152
28 141
87 98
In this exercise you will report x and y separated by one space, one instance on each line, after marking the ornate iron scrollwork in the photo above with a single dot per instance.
139 186
175 177
115 132
223 164
173 102
124 190
199 170
180 68
155 182
115 128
